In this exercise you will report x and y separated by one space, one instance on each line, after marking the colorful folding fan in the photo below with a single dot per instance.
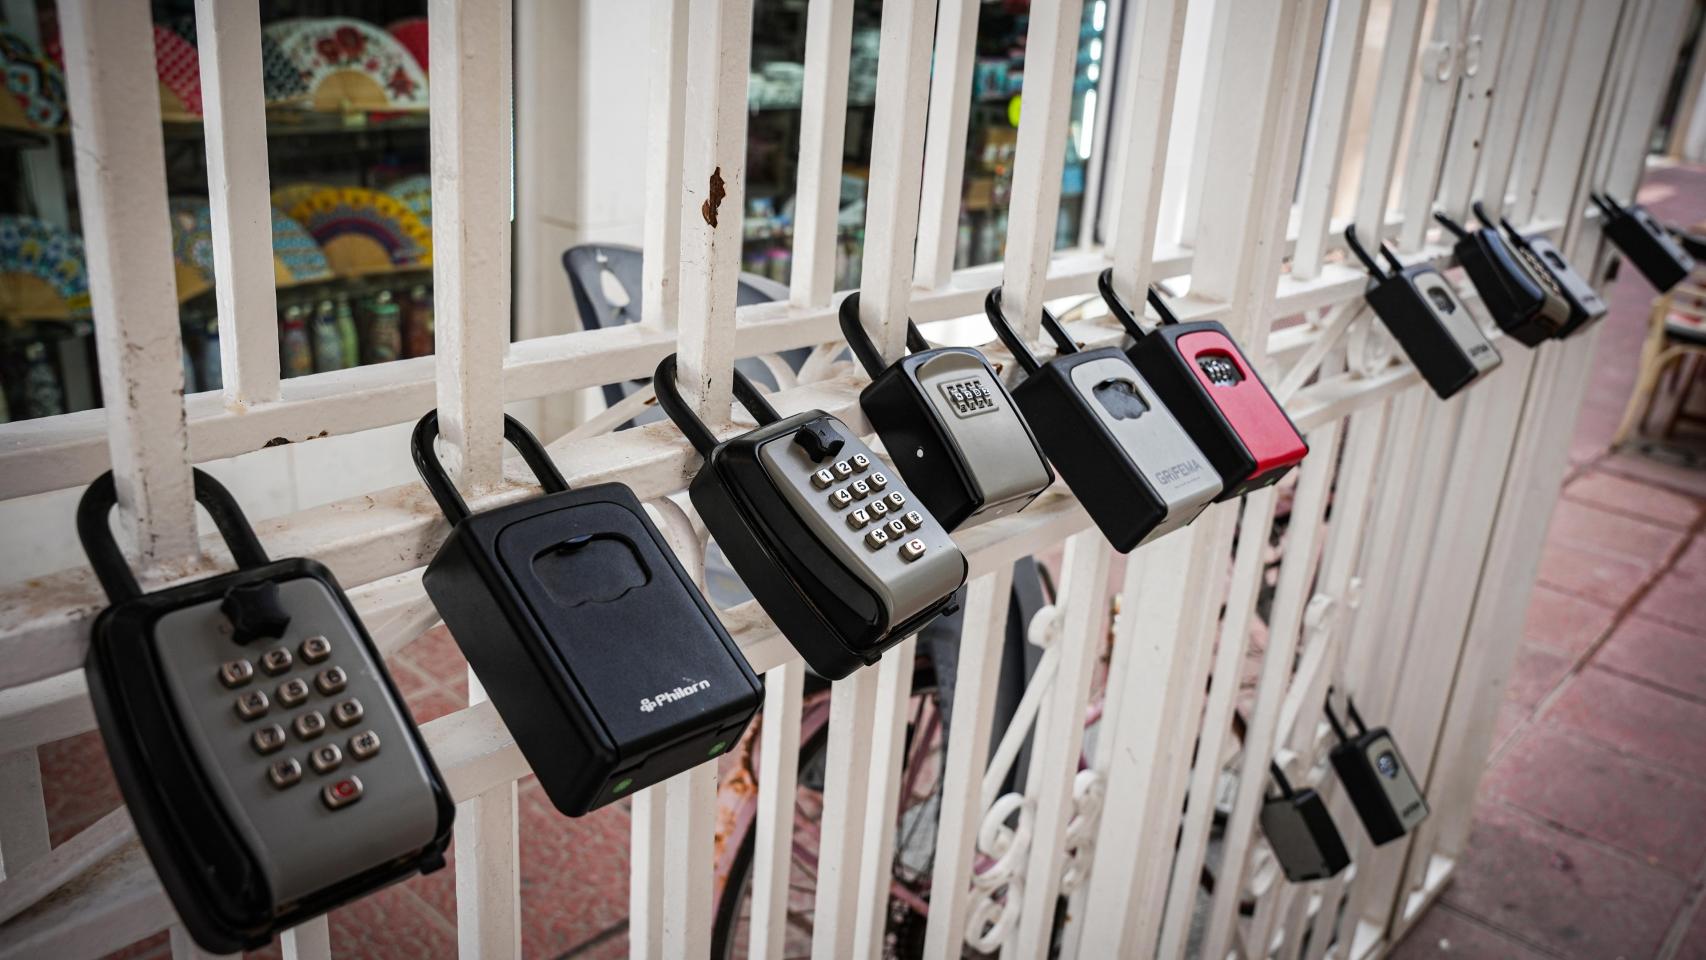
42 275
351 66
280 82
36 86
412 34
364 231
296 258
416 193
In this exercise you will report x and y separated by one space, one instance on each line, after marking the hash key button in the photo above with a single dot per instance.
331 680
347 713
236 673
252 704
914 519
316 648
364 745
341 794
268 738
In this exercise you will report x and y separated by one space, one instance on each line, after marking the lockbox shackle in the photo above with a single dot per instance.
1452 225
438 482
1605 203
1123 313
859 339
688 422
1481 214
108 562
1020 349
1515 237
1368 261
1351 709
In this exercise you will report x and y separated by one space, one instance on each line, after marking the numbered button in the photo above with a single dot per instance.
316 648
341 794
236 673
284 773
331 680
840 499
252 704
860 489
842 469
914 519
310 725
897 529
861 463
876 538
364 745
878 509
823 478
912 549
327 758
347 713
276 661
858 519
268 738
293 691
896 499
878 480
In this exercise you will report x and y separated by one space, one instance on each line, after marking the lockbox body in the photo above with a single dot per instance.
1649 247
1221 401
1304 839
1134 468
1434 327
1517 301
604 660
243 857
839 596
1586 305
1380 786
956 436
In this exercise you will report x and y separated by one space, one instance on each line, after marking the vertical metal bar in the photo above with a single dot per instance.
309 941
660 280
778 770
1484 72
690 828
1542 114
1590 54
23 812
713 200
228 37
471 139
1051 58
897 148
121 191
945 141
1343 53
852 710
1510 98
1148 85
488 866
887 747
1440 74
823 127
1391 99
645 875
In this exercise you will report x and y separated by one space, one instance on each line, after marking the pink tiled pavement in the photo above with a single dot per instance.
1590 834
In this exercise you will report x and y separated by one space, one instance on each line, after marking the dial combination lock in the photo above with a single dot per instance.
605 662
1647 244
271 769
1433 326
1585 303
838 551
1387 798
1216 394
1301 832
1133 467
1527 306
955 434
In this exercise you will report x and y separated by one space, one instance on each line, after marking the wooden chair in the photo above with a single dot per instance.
1676 342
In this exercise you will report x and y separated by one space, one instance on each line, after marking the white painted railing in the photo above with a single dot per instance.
1412 533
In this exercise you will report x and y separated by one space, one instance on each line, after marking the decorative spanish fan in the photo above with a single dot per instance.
412 34
416 193
280 83
179 70
288 196
42 276
296 258
364 231
35 84
351 66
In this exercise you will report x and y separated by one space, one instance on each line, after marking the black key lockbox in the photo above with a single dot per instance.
954 433
271 769
1118 447
602 657
1526 306
1423 313
1216 393
1301 832
1386 796
1585 303
1647 244
843 556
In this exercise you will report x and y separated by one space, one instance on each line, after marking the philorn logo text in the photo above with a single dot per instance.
648 704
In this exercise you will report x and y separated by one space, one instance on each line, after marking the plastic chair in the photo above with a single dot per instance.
1676 340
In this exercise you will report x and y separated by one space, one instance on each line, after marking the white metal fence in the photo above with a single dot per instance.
1414 525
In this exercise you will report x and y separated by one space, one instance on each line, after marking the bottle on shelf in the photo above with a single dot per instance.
347 335
296 355
382 339
328 341
417 323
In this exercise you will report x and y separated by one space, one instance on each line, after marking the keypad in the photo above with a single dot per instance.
840 499
292 692
276 661
913 519
310 725
252 705
877 538
348 713
842 469
861 463
285 773
912 549
236 673
897 529
969 397
878 480
327 758
268 738
823 479
331 680
341 794
860 489
896 499
878 508
364 745
875 514
315 649
859 519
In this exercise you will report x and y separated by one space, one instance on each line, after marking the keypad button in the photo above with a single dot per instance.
347 713
341 794
327 758
823 478
897 529
861 463
284 773
236 673
276 661
364 745
896 499
912 549
268 738
842 469
293 691
914 519
310 725
331 680
878 480
876 538
858 519
252 704
316 648
860 489
840 499
878 508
